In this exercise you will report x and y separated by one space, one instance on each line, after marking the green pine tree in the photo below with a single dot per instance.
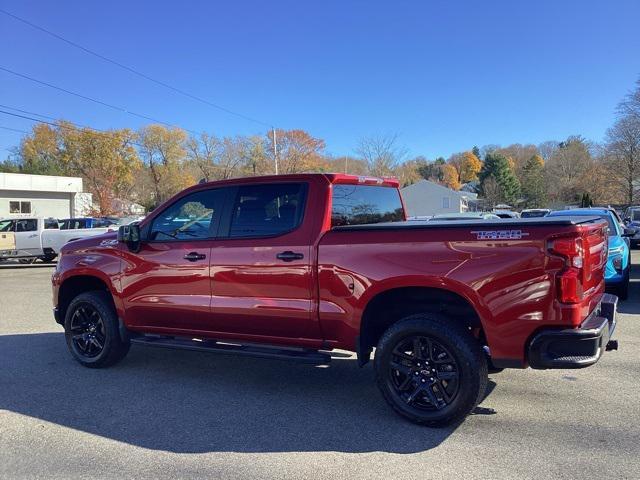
586 201
496 167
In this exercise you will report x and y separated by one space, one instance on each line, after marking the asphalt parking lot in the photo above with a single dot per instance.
174 414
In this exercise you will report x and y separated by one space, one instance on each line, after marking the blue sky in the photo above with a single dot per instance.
445 75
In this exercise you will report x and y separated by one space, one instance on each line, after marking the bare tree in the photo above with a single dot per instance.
298 151
234 156
382 154
493 193
203 152
162 151
547 149
566 166
630 106
623 146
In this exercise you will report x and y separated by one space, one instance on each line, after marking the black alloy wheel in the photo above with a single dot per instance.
430 369
88 335
423 373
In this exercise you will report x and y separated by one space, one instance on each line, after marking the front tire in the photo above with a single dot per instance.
430 370
91 331
623 289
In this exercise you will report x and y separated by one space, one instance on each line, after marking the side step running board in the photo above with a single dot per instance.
250 350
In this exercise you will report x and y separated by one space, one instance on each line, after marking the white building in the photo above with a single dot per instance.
42 196
425 198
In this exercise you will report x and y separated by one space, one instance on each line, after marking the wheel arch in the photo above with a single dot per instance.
74 285
388 306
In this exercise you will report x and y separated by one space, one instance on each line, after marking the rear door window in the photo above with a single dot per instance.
27 225
267 210
362 204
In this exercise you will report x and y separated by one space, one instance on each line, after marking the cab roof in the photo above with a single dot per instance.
334 178
581 211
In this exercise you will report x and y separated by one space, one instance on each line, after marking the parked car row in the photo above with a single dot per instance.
30 238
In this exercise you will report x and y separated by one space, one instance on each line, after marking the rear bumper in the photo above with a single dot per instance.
579 347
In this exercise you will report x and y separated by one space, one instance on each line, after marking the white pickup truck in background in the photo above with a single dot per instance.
29 239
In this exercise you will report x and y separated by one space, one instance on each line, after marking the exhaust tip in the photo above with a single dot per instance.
611 345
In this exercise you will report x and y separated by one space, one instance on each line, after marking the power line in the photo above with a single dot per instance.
136 72
28 112
13 129
75 124
100 102
59 125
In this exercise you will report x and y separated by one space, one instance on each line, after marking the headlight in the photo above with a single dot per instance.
615 251
617 263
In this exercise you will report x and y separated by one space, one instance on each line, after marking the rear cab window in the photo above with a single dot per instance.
73 224
365 204
51 224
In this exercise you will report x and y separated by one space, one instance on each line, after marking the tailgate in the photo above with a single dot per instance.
7 241
594 243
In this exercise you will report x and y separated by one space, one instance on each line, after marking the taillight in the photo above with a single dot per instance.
569 280
571 249
570 285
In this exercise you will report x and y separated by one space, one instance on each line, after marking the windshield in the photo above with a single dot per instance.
437 219
613 230
635 215
6 225
533 214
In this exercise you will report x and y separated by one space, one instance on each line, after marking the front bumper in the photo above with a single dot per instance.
579 347
57 316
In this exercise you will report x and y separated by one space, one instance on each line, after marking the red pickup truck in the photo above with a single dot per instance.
293 266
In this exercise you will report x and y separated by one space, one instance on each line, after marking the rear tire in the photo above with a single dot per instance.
91 330
430 370
49 257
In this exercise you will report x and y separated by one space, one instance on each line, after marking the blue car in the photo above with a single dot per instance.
616 275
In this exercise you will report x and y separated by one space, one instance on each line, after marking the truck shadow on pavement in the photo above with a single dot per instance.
188 402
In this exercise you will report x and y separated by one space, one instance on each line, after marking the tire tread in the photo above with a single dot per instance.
466 346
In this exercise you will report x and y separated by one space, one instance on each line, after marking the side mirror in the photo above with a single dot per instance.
130 235
629 232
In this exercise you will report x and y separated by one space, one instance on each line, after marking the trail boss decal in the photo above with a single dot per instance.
108 243
500 234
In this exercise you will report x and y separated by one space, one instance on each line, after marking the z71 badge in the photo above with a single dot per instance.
500 234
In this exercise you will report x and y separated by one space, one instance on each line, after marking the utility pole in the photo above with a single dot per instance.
275 148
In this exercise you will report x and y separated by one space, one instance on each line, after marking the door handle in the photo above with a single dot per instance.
289 256
194 256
